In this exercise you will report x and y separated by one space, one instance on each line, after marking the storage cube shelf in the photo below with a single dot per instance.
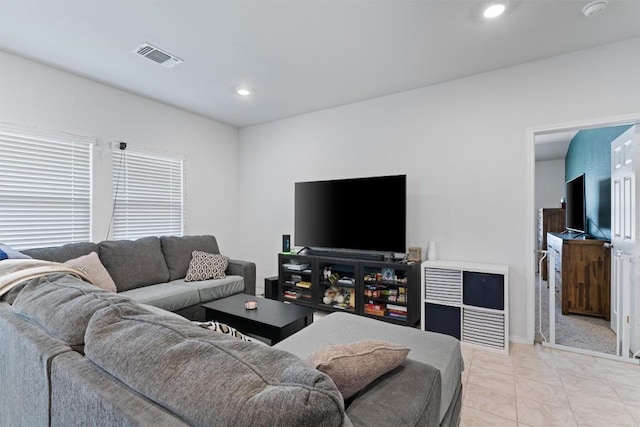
468 301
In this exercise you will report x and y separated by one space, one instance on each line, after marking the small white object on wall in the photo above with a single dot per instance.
432 254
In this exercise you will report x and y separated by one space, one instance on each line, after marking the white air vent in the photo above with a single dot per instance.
157 55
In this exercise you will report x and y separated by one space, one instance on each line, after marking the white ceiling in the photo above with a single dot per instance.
553 146
298 55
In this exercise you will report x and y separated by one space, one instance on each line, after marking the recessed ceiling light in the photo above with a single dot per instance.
243 91
494 10
594 8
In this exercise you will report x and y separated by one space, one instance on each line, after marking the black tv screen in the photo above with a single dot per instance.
576 216
366 214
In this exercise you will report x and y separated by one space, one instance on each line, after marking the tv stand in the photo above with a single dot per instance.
345 254
346 281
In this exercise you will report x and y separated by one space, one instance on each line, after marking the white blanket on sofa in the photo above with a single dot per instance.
15 271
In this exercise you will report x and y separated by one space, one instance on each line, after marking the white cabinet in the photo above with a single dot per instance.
469 301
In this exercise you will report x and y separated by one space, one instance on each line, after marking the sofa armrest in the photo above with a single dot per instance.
247 270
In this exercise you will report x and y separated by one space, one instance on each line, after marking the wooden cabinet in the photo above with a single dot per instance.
549 220
583 274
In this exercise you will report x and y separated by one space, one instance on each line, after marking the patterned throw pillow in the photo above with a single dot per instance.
204 266
223 329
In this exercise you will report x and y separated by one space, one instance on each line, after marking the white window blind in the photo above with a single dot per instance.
45 188
148 194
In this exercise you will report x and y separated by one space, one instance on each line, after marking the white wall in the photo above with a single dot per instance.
465 146
36 95
549 183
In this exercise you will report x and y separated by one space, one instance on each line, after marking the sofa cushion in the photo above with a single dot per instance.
352 366
62 253
62 305
134 263
210 379
438 350
85 395
204 266
90 264
167 296
178 252
210 290
25 352
409 395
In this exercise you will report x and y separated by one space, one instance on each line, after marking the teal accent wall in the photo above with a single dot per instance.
590 153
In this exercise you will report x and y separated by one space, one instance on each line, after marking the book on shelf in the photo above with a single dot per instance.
346 281
397 315
340 305
374 312
374 306
303 284
400 308
296 267
291 294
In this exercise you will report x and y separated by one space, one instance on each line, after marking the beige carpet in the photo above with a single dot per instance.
574 330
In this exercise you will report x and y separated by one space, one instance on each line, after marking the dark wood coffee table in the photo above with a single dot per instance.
274 320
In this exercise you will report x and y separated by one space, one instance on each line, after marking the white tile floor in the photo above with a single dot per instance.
538 386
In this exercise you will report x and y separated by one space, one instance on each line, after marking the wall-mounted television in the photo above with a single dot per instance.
575 209
356 214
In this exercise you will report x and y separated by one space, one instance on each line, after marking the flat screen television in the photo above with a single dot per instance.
357 214
575 209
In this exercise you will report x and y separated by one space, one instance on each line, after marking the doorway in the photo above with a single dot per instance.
582 334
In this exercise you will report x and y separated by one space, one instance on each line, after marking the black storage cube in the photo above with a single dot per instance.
483 290
443 319
271 287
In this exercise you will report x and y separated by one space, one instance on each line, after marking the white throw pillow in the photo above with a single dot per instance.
91 266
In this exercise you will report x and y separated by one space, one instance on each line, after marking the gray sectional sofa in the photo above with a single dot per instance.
151 270
73 354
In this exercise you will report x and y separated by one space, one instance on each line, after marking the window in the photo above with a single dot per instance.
45 188
147 192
